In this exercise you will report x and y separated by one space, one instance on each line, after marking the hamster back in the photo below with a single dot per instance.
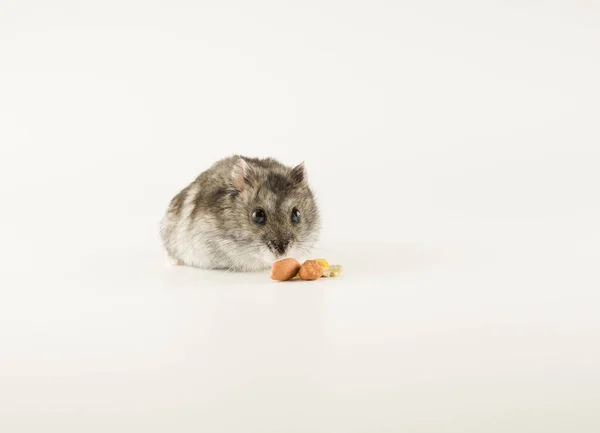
242 214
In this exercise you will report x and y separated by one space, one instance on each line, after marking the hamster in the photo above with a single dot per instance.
242 214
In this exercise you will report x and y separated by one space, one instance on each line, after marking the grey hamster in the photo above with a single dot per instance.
242 214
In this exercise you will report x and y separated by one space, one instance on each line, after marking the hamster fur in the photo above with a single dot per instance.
242 214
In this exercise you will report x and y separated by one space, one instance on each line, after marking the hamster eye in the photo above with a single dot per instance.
295 216
259 216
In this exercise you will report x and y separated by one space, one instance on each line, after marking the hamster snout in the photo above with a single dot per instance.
279 246
241 214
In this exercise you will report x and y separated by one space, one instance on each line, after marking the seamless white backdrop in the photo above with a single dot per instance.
453 147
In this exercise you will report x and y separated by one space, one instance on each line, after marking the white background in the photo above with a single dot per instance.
454 148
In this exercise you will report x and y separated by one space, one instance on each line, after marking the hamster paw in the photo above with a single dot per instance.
174 262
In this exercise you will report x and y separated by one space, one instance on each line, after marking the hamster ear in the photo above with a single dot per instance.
298 174
242 175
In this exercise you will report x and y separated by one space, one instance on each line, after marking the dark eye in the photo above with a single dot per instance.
259 216
295 216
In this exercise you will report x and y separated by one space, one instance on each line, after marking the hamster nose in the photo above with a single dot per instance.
280 246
